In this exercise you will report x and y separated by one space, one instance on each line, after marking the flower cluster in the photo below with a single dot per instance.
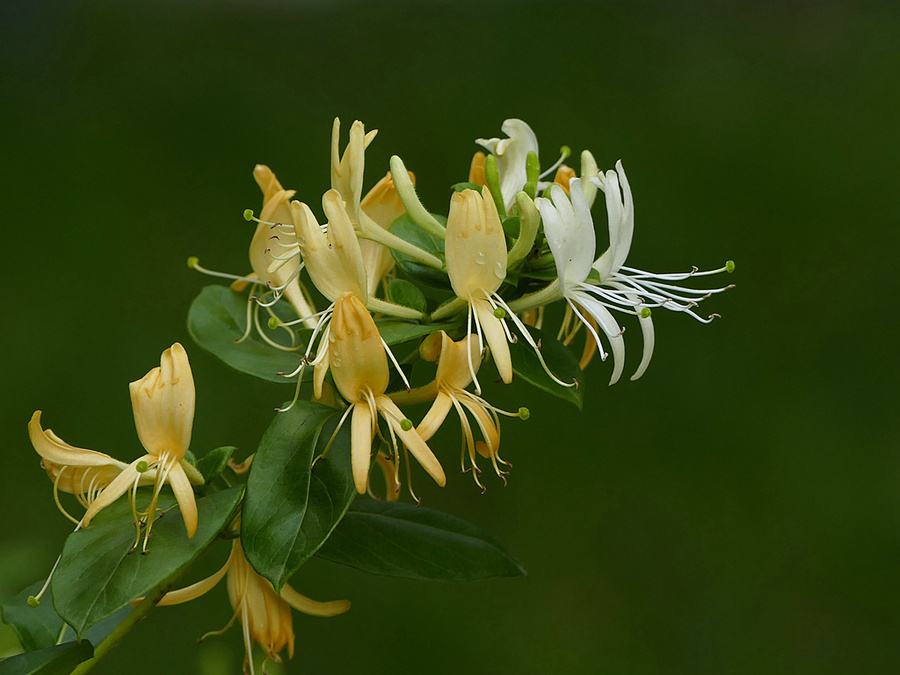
363 298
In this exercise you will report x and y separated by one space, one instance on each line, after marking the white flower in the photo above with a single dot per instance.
569 229
511 154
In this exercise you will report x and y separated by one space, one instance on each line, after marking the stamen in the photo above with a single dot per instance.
469 348
564 153
35 600
194 263
396 364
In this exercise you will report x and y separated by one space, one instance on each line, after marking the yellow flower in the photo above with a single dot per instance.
163 405
449 392
475 249
265 615
360 370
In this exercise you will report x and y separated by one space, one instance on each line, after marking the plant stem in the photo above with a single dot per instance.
545 296
143 609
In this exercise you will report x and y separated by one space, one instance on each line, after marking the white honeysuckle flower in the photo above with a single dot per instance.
594 287
511 153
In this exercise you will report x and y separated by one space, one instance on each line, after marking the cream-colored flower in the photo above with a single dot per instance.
448 389
163 404
360 370
476 255
265 614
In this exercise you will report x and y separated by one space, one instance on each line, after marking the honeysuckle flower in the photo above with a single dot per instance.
448 389
360 370
476 256
512 158
163 405
273 259
78 471
265 614
511 153
570 234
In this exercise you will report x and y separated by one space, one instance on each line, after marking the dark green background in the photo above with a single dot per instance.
736 511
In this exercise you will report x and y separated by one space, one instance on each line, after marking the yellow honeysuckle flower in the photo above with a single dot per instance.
163 404
360 370
449 392
265 615
475 250
78 471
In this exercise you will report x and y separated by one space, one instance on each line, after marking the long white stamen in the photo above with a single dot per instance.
195 265
589 327
396 364
523 329
469 349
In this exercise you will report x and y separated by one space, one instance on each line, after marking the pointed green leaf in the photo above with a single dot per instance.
218 317
98 573
214 462
559 359
407 294
56 660
413 542
292 507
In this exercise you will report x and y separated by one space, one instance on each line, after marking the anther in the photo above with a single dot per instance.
248 215
729 266
33 601
645 313
524 413
273 323
500 313
192 262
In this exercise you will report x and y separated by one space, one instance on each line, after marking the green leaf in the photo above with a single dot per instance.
559 359
217 318
405 228
397 332
292 507
214 462
36 627
40 627
407 294
56 660
98 573
413 542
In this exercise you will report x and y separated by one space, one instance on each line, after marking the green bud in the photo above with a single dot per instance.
142 466
193 261
729 266
524 413
492 176
500 313
33 601
532 174
406 424
248 215
645 313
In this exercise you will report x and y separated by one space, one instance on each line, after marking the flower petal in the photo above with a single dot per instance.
411 439
184 495
114 490
611 328
313 607
495 337
361 445
195 590
435 416
54 449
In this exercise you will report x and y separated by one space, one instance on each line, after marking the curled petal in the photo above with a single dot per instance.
184 495
313 607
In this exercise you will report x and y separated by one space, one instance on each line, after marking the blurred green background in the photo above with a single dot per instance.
735 511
